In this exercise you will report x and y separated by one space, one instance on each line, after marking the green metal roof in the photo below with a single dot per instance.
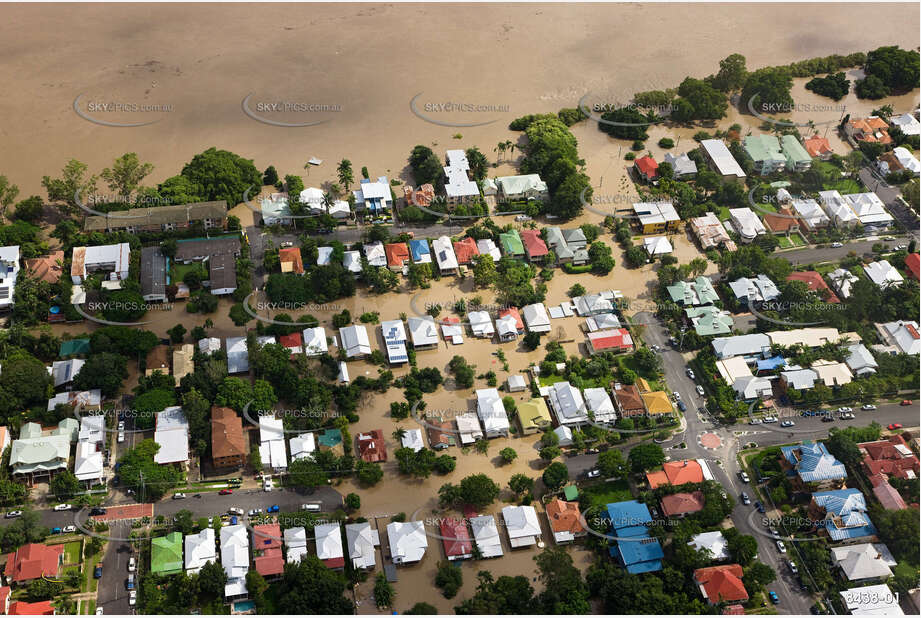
794 151
511 243
571 492
166 554
74 346
763 148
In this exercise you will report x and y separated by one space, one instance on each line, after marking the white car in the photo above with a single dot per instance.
69 529
132 598
63 507
235 510
132 564
770 419
677 396
13 514
522 218
690 372
287 244
121 436
781 547
787 424
178 495
593 474
868 406
121 425
744 476
100 611
837 245
267 485
700 390
755 421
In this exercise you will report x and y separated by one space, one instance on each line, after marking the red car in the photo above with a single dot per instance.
905 402
225 492
895 425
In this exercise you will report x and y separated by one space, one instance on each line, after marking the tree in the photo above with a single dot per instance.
521 483
531 340
306 473
599 255
139 470
64 485
555 475
308 587
478 163
644 457
508 454
426 166
445 464
549 453
564 591
368 473
742 547
221 175
29 209
344 173
422 608
896 68
211 580
484 271
477 489
463 373
353 502
126 174
871 87
758 574
105 371
73 182
8 194
234 393
270 176
184 522
635 256
577 289
704 101
612 464
770 88
503 596
625 123
177 333
449 578
732 73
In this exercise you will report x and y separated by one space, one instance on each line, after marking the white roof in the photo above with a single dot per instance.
491 411
590 304
599 403
536 318
723 160
360 541
602 321
468 426
714 541
761 288
908 123
92 429
657 245
303 446
904 334
315 341
237 355
199 550
395 340
295 543
811 337
408 541
832 373
860 360
324 255
275 208
517 381
119 254
682 164
339 209
747 222
375 254
733 368
567 403
800 378
209 345
352 261
907 159
883 274
810 212
311 195
869 208
457 183
836 207
876 600
842 280
481 323
651 213
454 332
521 524
172 434
235 558
64 371
486 535
864 561
264 340
507 325
423 331
487 247
272 442
354 340
444 252
329 541
72 398
412 438
88 462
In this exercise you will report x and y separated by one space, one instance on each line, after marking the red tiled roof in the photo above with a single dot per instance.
22 608
628 398
647 166
733 610
371 447
682 503
817 146
533 243
46 268
4 597
779 222
291 255
564 516
397 253
267 539
676 473
465 249
227 438
913 263
455 537
882 457
32 561
267 536
293 340
617 338
816 283
272 562
887 495
721 583
513 311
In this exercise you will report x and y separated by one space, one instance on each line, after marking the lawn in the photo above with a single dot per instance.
602 494
73 552
550 380
841 185
178 271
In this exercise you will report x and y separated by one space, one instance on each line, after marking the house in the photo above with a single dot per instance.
512 246
869 210
534 246
468 428
913 264
63 372
615 339
883 274
842 513
315 341
567 404
200 250
657 245
536 318
442 433
412 438
302 446
456 539
459 189
373 196
782 222
646 168
842 280
293 342
46 268
721 584
635 549
183 364
812 216
876 600
452 330
267 555
491 412
866 561
486 536
565 521
765 153
397 255
509 324
228 444
888 163
521 525
871 129
888 496
419 249
832 373
445 256
24 608
172 434
407 540
422 197
33 561
486 246
423 332
593 304
290 260
628 400
371 446
375 253
354 341
811 462
87 400
900 337
314 199
657 402
600 406
209 345
200 549
395 341
516 383
111 259
563 435
36 456
682 503
295 540
746 223
693 293
860 361
709 231
166 554
465 250
815 283
329 545
568 245
809 337
721 159
676 473
602 321
481 324
153 274
361 539
797 158
656 217
209 215
907 123
818 147
534 416
758 290
798 378
89 466
235 559
714 542
890 457
272 443
683 166
519 188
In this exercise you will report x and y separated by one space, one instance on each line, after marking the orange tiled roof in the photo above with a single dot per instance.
682 503
465 249
292 256
564 516
817 146
397 254
722 583
46 268
677 473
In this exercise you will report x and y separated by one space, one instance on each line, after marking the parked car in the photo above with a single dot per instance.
755 421
677 396
744 476
235 510
178 495
267 485
868 406
225 492
272 509
133 598
97 510
253 512
69 529
827 418
774 598
56 530
759 506
700 390
121 437
100 611
313 508
773 532
129 583
132 564
593 474
792 567
690 372
905 402
847 416
770 419
13 514
62 507
781 547
837 245
787 423
745 499
287 244
522 218
682 406
895 426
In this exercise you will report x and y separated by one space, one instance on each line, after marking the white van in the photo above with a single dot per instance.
313 508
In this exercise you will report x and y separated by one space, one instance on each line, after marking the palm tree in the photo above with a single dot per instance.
510 146
399 434
345 173
501 147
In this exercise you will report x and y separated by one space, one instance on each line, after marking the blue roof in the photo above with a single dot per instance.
845 514
419 247
628 514
813 462
769 364
639 553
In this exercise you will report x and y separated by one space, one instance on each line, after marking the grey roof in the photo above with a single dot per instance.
157 215
222 271
192 249
153 272
741 345
860 360
760 289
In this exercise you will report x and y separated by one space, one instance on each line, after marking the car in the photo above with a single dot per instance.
770 419
888 237
121 437
56 530
773 532
847 416
97 510
755 421
593 474
745 499
774 598
69 529
700 390
690 372
759 507
133 598
13 514
97 572
129 583
178 495
62 507
233 520
781 547
287 244
522 218
225 492
744 476
792 567
100 611
905 402
837 245
672 341
828 418
894 426
677 396
121 425
313 508
273 509
254 512
682 406
267 485
845 409
132 564
868 406
900 247
654 348
787 423
235 510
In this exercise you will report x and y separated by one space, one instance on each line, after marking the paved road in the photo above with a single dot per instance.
890 197
829 254
211 503
112 595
